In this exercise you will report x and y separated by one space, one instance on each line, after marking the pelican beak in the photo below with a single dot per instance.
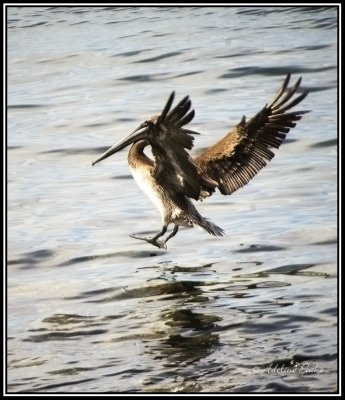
139 134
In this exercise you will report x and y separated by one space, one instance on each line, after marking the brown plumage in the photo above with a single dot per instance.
174 177
239 156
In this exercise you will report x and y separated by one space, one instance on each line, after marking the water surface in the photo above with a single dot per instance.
91 309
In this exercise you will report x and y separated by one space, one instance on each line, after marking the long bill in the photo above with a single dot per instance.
135 136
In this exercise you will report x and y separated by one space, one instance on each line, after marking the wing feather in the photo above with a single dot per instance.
174 168
244 151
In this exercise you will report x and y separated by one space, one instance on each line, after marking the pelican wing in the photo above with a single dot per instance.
174 168
244 151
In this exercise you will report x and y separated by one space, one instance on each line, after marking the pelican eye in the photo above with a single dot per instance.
149 124
144 124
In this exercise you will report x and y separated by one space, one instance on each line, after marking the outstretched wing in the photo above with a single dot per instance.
174 168
244 151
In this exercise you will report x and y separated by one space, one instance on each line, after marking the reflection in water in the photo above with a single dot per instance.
191 340
193 336
168 291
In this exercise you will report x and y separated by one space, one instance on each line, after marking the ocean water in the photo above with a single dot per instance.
92 310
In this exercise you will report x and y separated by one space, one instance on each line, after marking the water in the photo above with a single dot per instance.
91 309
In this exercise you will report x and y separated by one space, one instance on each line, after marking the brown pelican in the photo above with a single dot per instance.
173 178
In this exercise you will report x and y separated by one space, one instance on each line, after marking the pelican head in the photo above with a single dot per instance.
140 133
147 128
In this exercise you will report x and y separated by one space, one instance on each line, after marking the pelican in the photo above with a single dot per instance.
173 177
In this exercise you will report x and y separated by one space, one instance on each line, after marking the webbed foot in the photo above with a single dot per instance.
158 243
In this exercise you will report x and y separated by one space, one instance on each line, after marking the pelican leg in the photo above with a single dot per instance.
154 240
172 234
